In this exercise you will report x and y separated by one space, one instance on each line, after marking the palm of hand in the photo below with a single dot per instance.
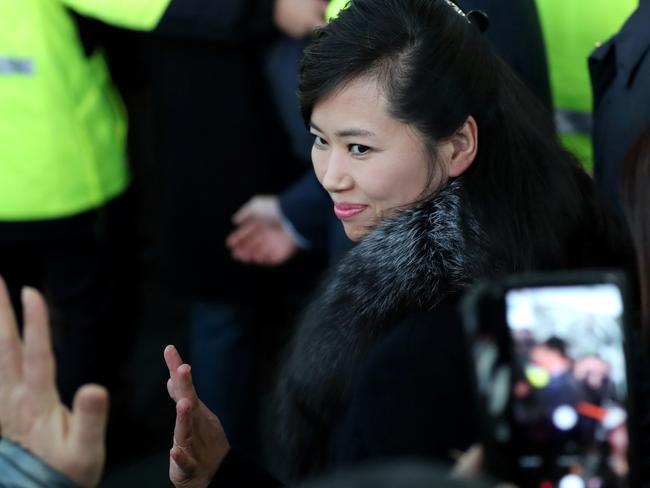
46 427
200 443
262 242
279 245
31 413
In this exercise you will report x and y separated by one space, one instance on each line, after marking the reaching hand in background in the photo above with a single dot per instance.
31 414
200 444
260 237
299 18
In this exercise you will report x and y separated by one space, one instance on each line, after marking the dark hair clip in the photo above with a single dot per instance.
479 19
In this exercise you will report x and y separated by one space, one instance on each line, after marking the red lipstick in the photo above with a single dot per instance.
348 210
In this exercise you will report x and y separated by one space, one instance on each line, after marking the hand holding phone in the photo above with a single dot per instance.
552 376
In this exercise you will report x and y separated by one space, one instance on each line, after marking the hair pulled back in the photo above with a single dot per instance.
534 203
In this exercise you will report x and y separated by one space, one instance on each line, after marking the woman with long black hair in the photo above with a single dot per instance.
445 169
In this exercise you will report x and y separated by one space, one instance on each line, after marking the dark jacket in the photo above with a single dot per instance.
409 399
216 138
620 76
310 210
377 367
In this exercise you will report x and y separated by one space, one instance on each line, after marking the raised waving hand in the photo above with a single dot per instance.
200 444
31 413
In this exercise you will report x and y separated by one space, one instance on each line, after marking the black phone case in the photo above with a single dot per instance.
485 304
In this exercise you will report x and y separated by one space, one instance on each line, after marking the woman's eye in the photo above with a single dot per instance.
358 149
319 141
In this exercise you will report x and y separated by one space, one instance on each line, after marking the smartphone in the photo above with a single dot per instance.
552 375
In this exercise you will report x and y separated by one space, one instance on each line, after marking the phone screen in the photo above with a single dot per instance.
568 384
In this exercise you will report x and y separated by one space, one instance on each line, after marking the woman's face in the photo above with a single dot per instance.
369 163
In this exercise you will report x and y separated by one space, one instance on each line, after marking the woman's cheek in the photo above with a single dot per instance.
317 163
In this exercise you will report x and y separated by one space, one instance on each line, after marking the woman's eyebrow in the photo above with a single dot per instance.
314 126
354 133
345 132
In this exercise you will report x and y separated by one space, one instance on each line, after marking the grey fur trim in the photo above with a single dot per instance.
408 263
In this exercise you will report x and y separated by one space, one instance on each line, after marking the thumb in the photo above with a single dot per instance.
89 416
243 213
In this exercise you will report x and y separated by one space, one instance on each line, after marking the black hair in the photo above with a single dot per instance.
556 344
535 204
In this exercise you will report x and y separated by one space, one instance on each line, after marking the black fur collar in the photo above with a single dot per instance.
410 262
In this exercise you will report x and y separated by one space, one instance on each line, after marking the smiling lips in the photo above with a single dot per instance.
347 210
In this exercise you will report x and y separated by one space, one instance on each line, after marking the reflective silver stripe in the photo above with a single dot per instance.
573 122
16 66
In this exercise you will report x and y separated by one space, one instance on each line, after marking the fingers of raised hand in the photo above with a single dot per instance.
183 426
184 463
170 390
180 383
10 347
38 359
89 416
184 387
87 434
172 358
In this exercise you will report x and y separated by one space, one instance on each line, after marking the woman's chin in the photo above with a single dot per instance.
355 232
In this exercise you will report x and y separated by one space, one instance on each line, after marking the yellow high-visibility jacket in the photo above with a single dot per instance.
62 124
572 29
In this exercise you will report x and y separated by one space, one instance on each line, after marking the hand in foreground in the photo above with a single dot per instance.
31 413
200 443
469 466
260 237
299 18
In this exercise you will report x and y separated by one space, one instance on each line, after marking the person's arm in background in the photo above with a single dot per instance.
44 444
222 20
308 207
271 229
263 236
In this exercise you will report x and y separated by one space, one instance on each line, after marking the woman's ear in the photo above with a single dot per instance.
464 145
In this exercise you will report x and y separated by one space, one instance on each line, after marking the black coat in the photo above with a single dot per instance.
410 399
620 75
216 137
377 368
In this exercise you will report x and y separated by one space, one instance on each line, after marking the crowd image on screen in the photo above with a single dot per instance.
569 390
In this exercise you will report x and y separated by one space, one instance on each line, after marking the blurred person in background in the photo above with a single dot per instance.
65 219
571 31
620 76
64 210
635 199
216 141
